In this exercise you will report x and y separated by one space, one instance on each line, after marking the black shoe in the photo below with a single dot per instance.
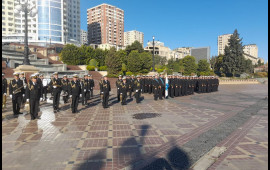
55 111
32 118
20 113
38 117
15 116
58 110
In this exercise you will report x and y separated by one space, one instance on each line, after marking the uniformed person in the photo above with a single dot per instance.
15 93
123 89
138 88
105 91
65 88
75 91
56 87
4 91
22 77
118 83
156 87
84 84
32 96
91 84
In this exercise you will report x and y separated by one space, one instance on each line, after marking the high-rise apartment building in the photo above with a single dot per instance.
84 37
200 53
105 25
222 42
57 21
8 25
132 36
251 49
183 51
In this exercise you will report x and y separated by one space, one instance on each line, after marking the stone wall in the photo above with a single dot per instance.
240 81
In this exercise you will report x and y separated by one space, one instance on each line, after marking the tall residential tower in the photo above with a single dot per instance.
105 24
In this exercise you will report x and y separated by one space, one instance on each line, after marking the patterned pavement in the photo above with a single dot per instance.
136 135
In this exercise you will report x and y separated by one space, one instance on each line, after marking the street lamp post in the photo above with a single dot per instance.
153 54
26 8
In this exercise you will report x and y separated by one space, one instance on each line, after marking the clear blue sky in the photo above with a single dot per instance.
193 23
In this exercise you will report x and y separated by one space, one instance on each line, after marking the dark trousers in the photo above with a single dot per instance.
176 91
118 95
105 100
160 93
44 93
75 103
149 89
155 93
34 107
172 92
16 103
56 99
179 91
130 93
91 93
124 99
145 89
84 98
137 96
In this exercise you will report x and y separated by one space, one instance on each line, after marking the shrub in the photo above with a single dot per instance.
103 68
160 70
112 75
261 74
90 68
129 73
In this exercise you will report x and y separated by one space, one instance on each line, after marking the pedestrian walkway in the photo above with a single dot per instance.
149 135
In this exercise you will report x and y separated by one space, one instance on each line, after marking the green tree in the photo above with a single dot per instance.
135 46
93 62
233 59
249 68
100 56
203 66
113 62
134 61
146 62
71 55
189 65
123 55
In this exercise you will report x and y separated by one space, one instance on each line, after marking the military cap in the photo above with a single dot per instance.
124 78
33 76
85 75
55 73
120 76
138 76
63 76
41 75
15 74
75 76
89 75
105 76
22 73
3 74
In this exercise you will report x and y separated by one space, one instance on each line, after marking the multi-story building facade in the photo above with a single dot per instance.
132 36
53 23
251 49
84 37
200 53
105 24
8 22
222 42
183 51
161 50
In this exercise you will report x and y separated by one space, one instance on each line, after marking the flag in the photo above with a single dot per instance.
166 87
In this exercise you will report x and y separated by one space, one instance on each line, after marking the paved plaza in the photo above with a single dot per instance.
164 134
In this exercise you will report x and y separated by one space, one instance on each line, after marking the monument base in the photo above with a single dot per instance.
27 69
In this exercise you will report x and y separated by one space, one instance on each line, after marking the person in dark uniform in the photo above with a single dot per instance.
75 90
123 89
4 91
138 88
171 86
50 88
100 84
176 86
84 84
65 88
161 88
32 96
56 86
143 83
91 83
118 83
156 87
150 84
15 93
105 91
22 77
130 82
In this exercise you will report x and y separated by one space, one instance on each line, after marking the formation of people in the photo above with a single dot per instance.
36 88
